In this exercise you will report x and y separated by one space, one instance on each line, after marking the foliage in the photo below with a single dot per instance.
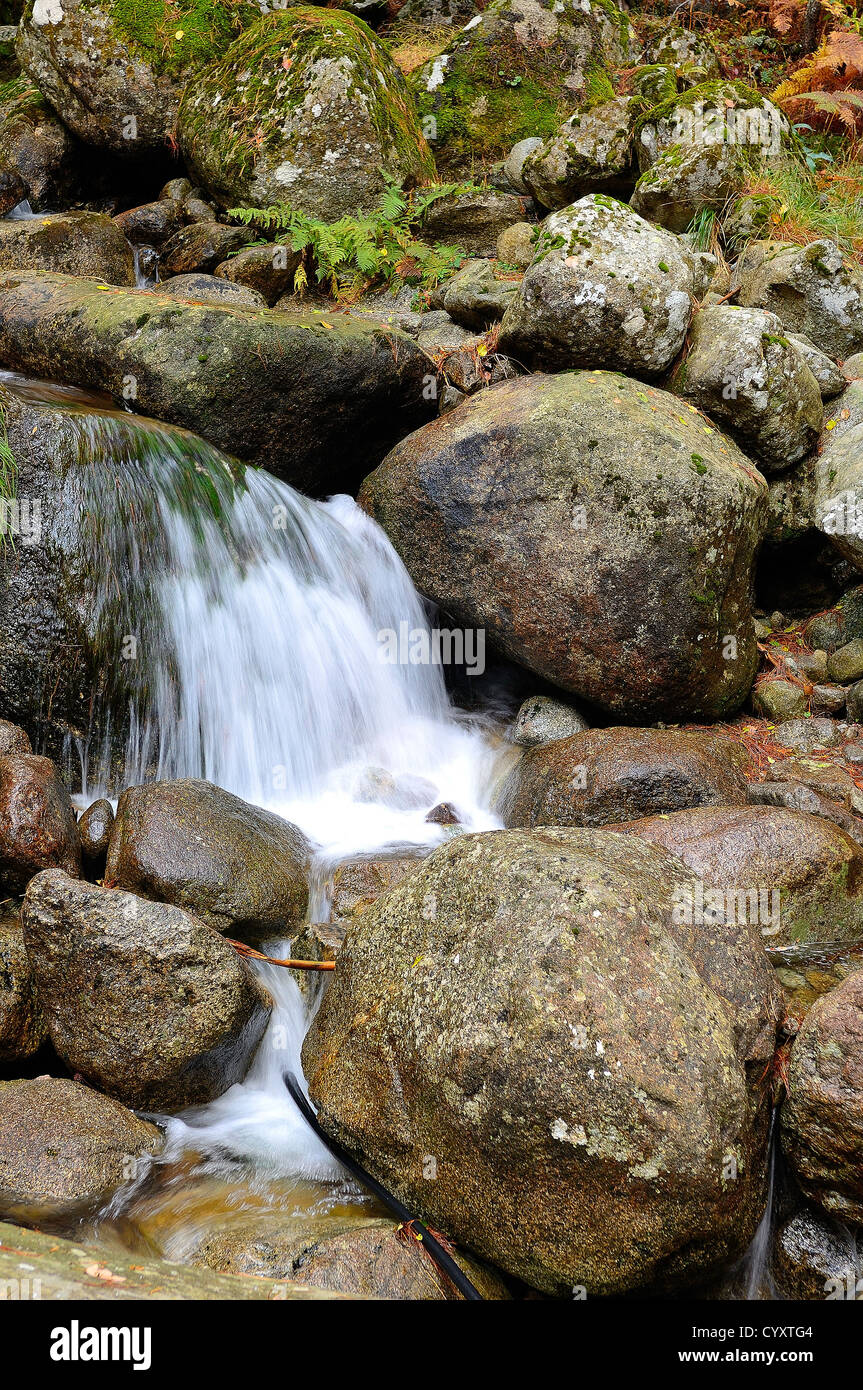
8 475
805 205
828 86
357 251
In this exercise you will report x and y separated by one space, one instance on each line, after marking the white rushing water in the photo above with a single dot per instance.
256 620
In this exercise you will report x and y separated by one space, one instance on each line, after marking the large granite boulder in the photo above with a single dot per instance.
37 821
74 243
815 289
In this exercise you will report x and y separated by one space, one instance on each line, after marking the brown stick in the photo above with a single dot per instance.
242 949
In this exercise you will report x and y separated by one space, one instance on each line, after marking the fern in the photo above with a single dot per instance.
353 253
828 83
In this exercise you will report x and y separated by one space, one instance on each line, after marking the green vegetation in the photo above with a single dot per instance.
801 205
358 251
177 34
8 477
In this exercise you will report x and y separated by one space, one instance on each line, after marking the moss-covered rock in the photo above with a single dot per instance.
815 289
35 142
74 243
682 49
601 532
516 71
686 179
591 153
583 1068
718 112
114 69
307 108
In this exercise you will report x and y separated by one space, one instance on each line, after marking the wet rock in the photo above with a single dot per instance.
36 143
188 842
591 153
515 245
779 700
606 775
845 664
201 247
438 331
814 1259
95 828
75 243
142 999
616 613
475 296
13 739
22 1027
151 223
828 699
368 1258
813 289
37 822
748 377
115 73
684 179
269 270
795 877
513 165
605 289
312 403
358 883
336 121
196 210
13 189
443 814
176 189
545 52
804 735
64 1270
63 1145
822 1118
830 379
798 796
472 221
209 289
542 720
520 985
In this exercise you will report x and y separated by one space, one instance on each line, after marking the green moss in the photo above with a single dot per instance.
712 95
180 35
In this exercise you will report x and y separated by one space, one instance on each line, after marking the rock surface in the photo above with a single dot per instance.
306 107
234 866
74 243
605 775
600 532
591 153
63 1145
822 1118
605 289
37 821
813 290
582 1069
211 289
543 720
22 1027
141 998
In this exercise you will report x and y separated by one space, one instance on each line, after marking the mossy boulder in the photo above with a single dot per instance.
600 531
516 71
684 180
583 1069
718 112
307 107
144 1000
682 49
752 380
35 142
591 153
74 243
605 289
114 69
815 289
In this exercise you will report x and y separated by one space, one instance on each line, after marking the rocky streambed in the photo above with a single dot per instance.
454 588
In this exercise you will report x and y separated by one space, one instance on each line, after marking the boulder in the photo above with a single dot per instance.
114 70
591 153
140 998
210 289
370 1258
515 245
63 1145
822 1118
831 380
751 379
13 739
683 180
35 142
541 719
600 532
778 700
814 1258
582 1068
151 224
201 247
603 776
37 821
838 499
312 399
22 1027
13 189
513 165
474 296
812 289
187 842
472 221
845 664
795 877
515 72
604 289
358 883
49 1267
269 270
680 48
94 829
322 129
76 243
712 113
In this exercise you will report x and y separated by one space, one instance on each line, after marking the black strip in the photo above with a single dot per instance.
441 1257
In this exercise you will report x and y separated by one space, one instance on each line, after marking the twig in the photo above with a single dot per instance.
242 949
